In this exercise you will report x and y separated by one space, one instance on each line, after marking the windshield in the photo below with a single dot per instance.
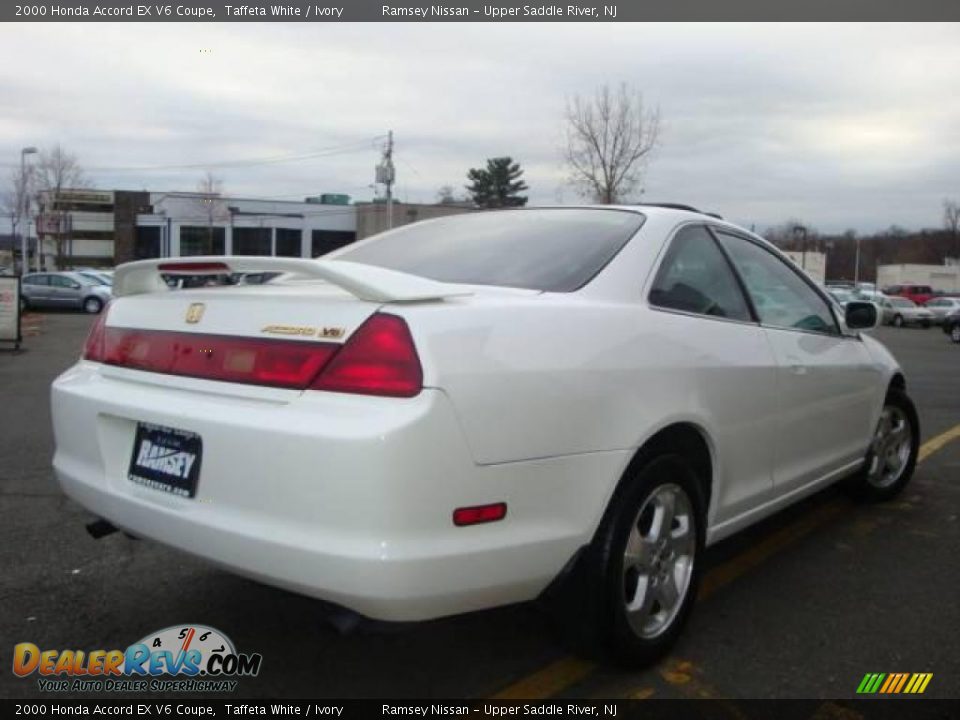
94 279
556 250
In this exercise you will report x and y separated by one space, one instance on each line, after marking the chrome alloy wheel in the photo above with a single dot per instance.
891 447
658 560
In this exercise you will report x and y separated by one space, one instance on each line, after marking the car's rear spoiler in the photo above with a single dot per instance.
366 282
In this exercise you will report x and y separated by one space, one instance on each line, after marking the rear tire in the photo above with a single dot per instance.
955 333
643 568
898 321
24 305
892 456
92 305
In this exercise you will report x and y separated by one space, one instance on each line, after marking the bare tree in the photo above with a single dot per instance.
210 204
445 195
15 201
951 221
56 171
610 138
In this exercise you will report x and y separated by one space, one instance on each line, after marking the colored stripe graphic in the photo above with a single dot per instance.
894 683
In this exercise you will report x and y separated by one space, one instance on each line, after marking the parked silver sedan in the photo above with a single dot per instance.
899 311
942 306
63 290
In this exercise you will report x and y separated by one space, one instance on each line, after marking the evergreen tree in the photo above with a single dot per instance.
498 185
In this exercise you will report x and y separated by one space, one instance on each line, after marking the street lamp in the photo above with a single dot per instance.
799 231
24 209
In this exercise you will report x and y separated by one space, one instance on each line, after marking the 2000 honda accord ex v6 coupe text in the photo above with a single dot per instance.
567 403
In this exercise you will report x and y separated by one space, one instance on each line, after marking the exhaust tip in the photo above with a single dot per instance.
100 528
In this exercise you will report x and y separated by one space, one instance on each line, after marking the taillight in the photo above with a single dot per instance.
93 347
378 359
256 361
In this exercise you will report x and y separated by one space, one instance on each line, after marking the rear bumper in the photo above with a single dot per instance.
345 498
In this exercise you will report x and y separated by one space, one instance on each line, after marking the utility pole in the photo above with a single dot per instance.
24 210
386 175
856 264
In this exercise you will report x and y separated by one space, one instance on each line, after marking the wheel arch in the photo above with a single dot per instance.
685 437
898 382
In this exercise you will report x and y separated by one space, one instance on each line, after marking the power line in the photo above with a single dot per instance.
295 157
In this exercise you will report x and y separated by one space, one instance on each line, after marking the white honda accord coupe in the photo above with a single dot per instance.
483 409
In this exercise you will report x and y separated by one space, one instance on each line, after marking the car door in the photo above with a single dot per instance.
827 381
65 291
717 360
36 288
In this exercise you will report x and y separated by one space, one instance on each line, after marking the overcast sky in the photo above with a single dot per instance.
839 125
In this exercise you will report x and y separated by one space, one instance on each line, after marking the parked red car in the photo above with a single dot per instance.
918 293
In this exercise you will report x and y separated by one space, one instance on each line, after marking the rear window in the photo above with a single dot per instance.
556 250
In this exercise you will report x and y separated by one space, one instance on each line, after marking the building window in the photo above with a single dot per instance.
251 241
289 242
324 241
198 240
146 244
92 234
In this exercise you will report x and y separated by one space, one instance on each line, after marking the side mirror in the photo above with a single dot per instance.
861 315
76 286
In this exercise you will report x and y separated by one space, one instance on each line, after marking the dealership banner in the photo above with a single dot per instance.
422 708
10 309
472 11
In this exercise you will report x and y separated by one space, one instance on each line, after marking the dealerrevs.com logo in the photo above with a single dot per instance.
181 658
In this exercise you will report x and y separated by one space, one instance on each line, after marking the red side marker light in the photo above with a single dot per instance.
478 514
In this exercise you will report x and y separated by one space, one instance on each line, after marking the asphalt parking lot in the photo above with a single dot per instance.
802 606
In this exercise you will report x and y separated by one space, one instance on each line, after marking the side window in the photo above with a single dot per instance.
779 294
37 280
61 281
695 277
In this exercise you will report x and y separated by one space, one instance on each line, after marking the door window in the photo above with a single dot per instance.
695 277
63 282
780 296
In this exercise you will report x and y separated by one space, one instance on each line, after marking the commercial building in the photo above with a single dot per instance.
945 278
105 228
813 262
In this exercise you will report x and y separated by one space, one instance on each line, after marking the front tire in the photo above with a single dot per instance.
898 321
955 333
892 456
92 305
644 565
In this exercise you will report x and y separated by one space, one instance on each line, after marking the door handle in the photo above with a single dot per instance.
797 367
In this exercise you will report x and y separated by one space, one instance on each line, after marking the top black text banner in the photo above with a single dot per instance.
466 11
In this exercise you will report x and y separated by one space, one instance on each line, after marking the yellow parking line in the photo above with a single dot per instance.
566 671
757 554
548 681
936 443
